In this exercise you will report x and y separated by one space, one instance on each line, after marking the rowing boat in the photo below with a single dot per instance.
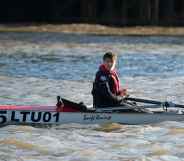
73 112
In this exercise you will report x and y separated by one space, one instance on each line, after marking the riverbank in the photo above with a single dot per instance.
94 29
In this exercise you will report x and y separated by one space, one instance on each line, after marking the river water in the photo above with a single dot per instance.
36 67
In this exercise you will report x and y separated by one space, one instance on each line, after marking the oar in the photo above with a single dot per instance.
137 108
126 106
165 104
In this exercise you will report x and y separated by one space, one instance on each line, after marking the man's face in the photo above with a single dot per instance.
109 64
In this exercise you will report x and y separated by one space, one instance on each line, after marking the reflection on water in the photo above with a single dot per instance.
35 67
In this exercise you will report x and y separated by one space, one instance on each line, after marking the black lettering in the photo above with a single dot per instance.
36 118
46 116
89 117
57 116
103 117
24 113
13 117
3 117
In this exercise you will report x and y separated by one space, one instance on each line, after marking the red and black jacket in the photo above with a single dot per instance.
106 88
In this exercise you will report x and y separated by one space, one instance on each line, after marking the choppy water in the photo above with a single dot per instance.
35 67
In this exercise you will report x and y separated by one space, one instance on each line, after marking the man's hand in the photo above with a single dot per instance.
123 92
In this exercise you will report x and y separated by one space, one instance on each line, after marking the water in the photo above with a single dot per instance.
36 67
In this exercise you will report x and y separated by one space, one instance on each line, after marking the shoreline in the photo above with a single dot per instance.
94 29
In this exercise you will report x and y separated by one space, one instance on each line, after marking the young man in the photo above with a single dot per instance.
106 88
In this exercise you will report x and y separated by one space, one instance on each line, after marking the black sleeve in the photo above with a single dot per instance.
105 90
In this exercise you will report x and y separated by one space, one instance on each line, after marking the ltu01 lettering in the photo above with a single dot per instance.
28 117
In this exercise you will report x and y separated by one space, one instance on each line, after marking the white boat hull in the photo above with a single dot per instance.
51 117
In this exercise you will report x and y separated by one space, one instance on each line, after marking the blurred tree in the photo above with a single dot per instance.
109 12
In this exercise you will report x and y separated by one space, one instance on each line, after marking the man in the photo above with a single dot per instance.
106 87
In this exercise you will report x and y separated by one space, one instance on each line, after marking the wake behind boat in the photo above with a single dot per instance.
70 112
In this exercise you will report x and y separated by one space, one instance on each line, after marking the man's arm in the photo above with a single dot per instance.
105 90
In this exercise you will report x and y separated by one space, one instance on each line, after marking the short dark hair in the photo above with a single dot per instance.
109 55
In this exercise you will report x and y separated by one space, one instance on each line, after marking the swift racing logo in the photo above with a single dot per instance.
93 117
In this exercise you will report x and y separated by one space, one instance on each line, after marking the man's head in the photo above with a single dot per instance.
109 60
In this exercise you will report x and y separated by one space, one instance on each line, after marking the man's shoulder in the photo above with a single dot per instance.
101 76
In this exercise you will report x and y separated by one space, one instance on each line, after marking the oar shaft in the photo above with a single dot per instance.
159 103
144 101
179 106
